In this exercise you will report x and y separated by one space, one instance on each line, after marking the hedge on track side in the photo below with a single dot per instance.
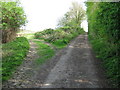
104 28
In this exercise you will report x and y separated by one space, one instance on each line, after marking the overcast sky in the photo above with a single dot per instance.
42 14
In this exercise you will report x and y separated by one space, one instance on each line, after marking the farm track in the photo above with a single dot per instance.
72 67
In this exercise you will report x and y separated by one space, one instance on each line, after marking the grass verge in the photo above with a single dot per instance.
44 51
13 54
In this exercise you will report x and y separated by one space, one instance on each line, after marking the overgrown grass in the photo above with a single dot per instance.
13 54
44 51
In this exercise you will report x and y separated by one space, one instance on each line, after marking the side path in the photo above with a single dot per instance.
72 67
23 77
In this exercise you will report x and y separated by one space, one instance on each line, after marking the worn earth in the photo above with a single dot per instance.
72 67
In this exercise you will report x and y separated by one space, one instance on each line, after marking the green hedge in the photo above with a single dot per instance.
13 55
104 28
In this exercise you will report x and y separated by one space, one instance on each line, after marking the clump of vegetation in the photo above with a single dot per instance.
104 28
13 54
13 18
59 37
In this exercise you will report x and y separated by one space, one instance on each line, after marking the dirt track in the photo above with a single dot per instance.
76 68
72 67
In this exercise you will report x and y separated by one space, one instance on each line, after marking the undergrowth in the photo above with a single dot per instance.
13 54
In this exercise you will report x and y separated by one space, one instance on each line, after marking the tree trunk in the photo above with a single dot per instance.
8 35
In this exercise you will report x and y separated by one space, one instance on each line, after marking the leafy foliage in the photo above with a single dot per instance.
13 18
12 15
13 55
103 19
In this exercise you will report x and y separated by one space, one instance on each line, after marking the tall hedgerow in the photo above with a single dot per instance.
104 30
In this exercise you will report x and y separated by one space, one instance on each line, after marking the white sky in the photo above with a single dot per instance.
43 14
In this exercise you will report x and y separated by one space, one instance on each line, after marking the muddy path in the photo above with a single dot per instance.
72 67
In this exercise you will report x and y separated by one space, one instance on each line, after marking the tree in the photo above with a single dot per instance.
73 17
13 18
